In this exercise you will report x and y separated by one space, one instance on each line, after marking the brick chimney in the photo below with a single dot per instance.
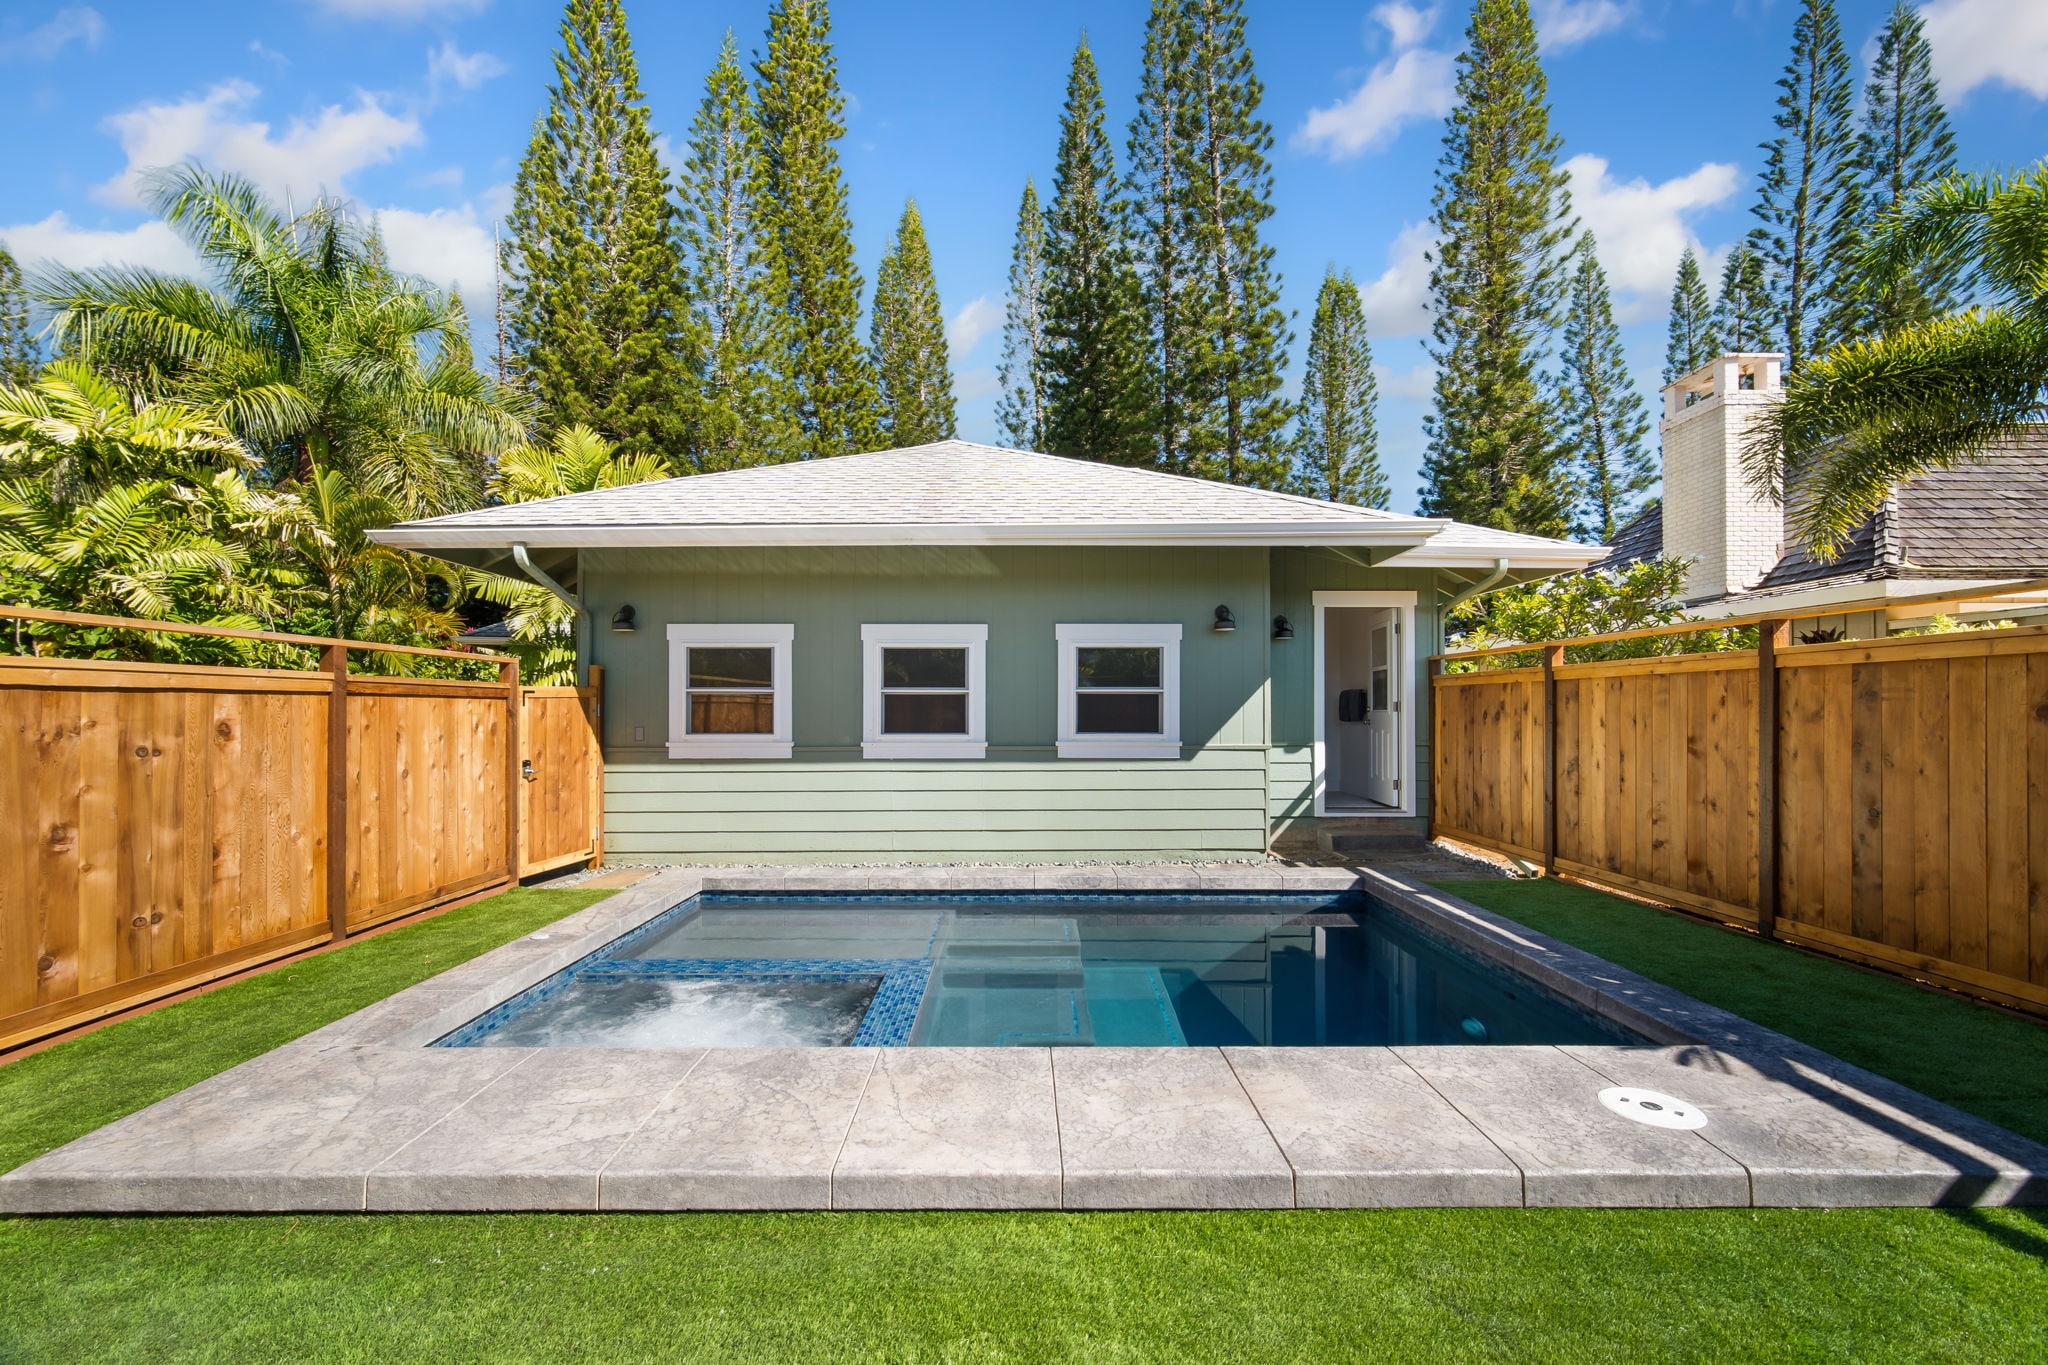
1731 534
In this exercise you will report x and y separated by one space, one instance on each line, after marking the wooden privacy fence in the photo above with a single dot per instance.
1883 800
162 825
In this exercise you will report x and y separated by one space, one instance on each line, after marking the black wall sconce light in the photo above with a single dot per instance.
1225 622
623 622
1282 630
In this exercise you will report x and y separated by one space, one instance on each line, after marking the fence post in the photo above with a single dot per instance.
1436 670
334 658
515 768
597 765
1553 656
1770 637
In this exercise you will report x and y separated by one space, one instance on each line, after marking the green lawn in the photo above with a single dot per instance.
1417 1285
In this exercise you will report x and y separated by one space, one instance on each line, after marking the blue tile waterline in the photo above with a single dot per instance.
1087 968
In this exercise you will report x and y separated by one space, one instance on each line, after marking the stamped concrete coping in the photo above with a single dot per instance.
364 1115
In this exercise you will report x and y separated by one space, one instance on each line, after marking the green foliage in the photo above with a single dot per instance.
1501 213
1337 445
1905 143
803 212
1240 338
1020 412
308 349
594 286
1596 602
744 414
1863 418
1948 625
574 460
909 334
1807 194
1095 371
140 510
1692 339
1603 417
20 355
1745 316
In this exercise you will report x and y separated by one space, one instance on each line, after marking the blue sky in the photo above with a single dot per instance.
419 109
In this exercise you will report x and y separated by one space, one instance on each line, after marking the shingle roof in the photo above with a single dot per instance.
1986 518
953 492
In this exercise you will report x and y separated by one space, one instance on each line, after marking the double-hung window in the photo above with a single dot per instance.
924 691
1119 691
728 691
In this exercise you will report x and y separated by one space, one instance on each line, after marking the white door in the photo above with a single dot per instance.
1382 716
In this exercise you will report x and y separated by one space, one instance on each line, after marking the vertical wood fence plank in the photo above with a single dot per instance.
335 660
1770 637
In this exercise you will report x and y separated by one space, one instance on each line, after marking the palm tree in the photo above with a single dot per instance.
143 510
306 345
1865 417
577 460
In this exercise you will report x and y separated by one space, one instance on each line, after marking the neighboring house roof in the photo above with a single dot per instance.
491 633
955 493
1640 538
1986 519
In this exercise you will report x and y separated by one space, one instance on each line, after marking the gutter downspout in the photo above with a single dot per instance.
540 576
1486 584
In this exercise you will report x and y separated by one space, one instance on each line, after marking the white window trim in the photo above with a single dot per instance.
875 744
1166 639
683 744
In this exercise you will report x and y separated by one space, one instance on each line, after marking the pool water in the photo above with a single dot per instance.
1032 971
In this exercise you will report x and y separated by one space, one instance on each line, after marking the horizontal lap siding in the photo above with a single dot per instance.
821 808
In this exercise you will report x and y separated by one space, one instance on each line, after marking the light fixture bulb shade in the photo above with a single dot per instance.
1225 622
623 622
1281 629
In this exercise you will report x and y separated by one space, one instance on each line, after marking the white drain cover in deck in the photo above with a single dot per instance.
1651 1107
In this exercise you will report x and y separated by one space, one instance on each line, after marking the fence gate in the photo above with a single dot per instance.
561 798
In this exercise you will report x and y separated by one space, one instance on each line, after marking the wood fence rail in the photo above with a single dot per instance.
162 825
1881 800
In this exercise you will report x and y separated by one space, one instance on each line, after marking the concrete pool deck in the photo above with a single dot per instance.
362 1115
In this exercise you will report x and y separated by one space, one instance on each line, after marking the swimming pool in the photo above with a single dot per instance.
1031 970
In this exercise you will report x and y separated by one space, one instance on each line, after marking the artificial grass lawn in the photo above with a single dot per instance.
1984 1060
1398 1284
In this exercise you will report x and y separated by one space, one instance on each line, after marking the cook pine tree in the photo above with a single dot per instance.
1905 144
812 274
1336 442
1020 411
1807 194
1691 340
742 413
1095 373
1745 314
1605 423
1493 450
1160 202
593 302
908 333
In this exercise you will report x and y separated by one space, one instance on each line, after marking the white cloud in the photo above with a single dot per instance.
1415 385
44 42
1410 83
1564 24
1977 42
57 241
404 11
449 65
1397 303
970 325
447 246
1642 228
305 159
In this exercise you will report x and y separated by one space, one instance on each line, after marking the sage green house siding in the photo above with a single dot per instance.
827 803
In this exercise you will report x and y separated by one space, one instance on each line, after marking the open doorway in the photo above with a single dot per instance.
1362 673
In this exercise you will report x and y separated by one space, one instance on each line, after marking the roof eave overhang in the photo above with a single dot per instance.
446 540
